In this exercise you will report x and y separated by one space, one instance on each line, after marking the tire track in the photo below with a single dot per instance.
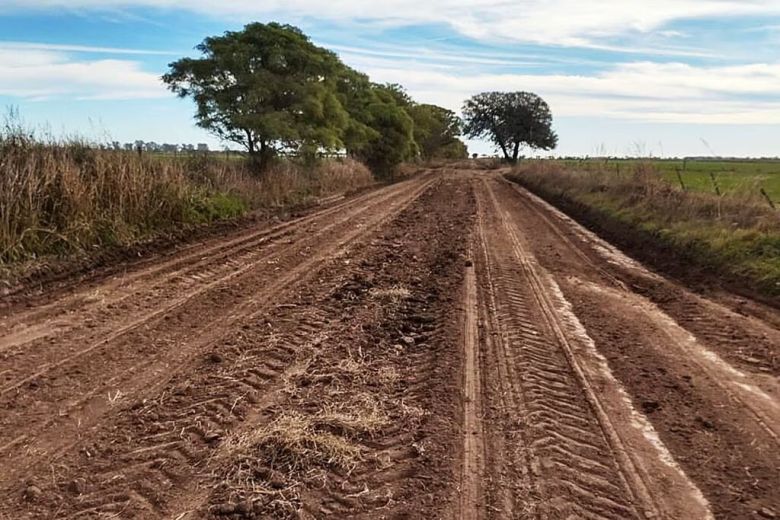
573 468
138 379
192 264
591 454
689 318
174 303
245 385
398 377
747 340
473 442
180 288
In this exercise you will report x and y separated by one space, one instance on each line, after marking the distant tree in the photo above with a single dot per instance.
267 88
457 149
510 120
436 131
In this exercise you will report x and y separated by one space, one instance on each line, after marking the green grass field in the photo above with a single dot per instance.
732 177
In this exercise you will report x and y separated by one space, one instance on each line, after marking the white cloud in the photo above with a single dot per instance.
35 74
640 91
549 22
28 46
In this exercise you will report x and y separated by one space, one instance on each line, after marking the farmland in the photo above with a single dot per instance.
733 177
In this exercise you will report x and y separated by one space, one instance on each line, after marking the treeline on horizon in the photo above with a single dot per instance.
269 89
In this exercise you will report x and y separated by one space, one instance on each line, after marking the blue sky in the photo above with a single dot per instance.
661 77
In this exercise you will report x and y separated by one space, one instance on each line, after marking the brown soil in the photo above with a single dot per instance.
446 347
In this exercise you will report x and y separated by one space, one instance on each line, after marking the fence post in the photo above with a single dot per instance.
768 199
679 178
715 183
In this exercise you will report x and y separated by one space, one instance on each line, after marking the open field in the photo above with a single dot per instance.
733 177
450 346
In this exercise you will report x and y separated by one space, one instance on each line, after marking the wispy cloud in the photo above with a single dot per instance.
500 56
24 46
640 91
430 55
36 74
573 23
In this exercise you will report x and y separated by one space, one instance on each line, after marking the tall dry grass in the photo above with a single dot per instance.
642 188
736 234
61 197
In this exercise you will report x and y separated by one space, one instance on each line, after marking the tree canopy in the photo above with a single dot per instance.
510 120
269 89
266 87
437 132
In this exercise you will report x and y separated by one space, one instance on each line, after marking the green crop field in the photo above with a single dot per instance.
744 177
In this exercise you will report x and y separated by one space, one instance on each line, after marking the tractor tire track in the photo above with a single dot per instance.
140 363
577 461
131 292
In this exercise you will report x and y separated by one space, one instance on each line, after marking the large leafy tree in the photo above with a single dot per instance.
510 120
267 88
357 94
390 139
380 131
436 131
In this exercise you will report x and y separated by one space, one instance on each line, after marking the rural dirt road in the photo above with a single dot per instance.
446 347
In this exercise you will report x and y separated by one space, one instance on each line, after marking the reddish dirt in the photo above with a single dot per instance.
446 347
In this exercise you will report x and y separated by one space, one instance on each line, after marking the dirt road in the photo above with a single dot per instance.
446 347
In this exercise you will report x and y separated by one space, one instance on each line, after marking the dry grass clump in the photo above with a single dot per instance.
296 442
394 294
268 465
351 372
361 415
59 197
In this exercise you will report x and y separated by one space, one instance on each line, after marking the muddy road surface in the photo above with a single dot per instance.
446 347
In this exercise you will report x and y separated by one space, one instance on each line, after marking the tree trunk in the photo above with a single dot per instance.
506 153
500 142
515 152
265 156
250 143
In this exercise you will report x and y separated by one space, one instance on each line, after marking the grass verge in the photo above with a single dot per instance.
734 237
65 198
